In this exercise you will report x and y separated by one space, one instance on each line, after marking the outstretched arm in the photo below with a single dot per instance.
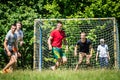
21 40
91 50
49 43
65 42
108 55
75 50
97 56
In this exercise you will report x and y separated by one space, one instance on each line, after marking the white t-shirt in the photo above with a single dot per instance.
102 50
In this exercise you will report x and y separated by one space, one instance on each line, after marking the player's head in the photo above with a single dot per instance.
19 25
13 28
102 41
83 35
59 25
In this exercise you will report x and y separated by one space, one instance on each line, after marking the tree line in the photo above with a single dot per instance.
26 11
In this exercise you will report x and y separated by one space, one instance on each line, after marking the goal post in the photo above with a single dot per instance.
96 28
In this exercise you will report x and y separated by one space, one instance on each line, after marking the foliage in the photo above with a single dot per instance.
11 15
95 29
26 11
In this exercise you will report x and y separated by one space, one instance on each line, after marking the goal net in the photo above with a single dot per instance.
96 28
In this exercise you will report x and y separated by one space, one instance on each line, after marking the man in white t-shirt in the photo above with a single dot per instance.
102 51
19 33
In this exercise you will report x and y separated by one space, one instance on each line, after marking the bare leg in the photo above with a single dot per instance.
11 62
63 60
88 60
56 65
14 65
80 60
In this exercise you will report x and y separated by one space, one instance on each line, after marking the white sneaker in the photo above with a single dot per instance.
52 68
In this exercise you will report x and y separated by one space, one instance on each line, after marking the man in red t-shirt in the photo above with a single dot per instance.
57 36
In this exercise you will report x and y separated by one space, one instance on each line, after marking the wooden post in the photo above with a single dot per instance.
115 44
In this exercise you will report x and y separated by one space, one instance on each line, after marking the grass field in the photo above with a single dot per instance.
62 75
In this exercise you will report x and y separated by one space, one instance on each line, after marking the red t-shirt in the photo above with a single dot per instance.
57 38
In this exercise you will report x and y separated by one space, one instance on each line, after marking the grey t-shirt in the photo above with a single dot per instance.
19 34
11 39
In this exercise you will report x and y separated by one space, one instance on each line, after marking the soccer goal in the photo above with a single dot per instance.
96 28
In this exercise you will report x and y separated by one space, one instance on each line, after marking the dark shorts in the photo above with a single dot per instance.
87 53
12 53
6 57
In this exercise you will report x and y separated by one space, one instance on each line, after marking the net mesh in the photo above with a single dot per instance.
96 28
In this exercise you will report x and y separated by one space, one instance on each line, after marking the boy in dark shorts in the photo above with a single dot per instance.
84 46
10 48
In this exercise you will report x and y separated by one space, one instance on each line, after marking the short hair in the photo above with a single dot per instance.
59 22
102 40
83 33
13 25
19 23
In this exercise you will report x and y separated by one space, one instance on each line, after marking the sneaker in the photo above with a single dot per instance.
9 71
52 68
3 72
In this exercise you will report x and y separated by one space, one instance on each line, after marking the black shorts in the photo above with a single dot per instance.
85 52
12 53
6 57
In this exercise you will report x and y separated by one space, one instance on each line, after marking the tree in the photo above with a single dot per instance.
26 11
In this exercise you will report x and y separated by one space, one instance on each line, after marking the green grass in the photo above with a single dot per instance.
62 75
